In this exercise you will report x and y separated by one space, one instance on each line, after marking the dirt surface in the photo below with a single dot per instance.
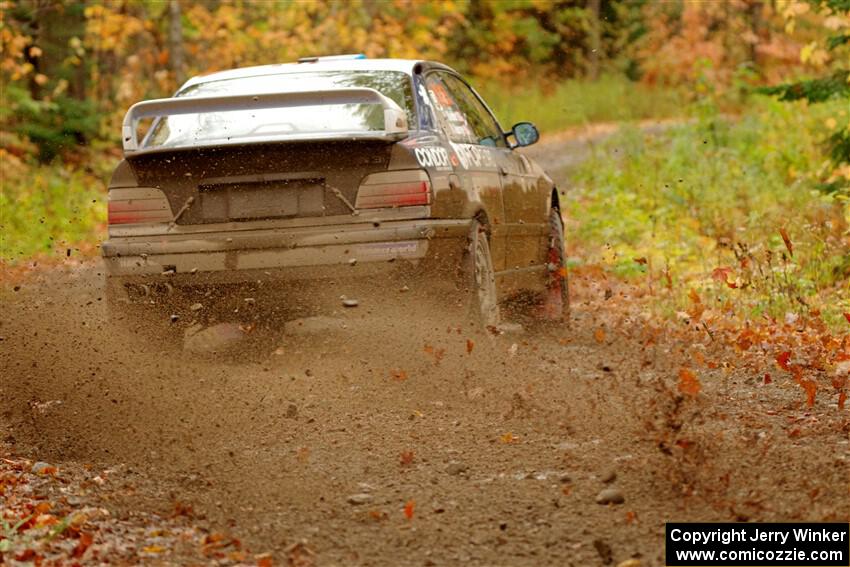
387 434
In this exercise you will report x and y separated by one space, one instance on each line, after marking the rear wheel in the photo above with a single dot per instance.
480 279
556 302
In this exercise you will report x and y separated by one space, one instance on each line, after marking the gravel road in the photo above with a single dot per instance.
387 435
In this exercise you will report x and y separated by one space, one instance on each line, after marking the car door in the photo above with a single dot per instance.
478 164
524 222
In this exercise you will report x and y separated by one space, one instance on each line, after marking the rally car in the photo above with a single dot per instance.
290 171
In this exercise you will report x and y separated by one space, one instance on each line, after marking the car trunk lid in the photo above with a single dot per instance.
253 182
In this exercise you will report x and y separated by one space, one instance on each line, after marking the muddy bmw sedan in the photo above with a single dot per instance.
342 165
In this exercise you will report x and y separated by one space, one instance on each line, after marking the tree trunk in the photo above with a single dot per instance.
177 57
595 38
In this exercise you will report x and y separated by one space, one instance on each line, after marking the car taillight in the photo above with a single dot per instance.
138 205
394 189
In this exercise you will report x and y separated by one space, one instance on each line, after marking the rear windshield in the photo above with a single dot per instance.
306 121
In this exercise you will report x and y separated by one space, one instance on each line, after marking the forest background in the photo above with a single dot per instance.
743 197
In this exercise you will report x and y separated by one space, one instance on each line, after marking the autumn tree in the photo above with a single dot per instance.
833 85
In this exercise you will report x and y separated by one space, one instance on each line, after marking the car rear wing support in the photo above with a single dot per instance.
395 119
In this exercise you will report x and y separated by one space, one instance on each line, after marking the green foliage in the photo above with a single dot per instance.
835 86
576 102
55 127
834 5
715 193
837 41
49 209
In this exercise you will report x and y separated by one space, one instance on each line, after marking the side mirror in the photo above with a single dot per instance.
525 133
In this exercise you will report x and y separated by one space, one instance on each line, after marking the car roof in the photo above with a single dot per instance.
406 66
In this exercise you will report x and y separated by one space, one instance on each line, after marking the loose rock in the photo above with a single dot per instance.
604 551
609 477
456 468
610 496
350 303
358 499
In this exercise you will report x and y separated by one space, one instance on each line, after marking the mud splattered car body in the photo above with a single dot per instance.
290 171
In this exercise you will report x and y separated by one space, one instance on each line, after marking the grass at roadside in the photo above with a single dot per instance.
727 207
577 102
46 210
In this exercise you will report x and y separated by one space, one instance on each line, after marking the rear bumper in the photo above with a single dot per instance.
292 253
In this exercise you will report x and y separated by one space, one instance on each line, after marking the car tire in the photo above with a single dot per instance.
480 280
557 295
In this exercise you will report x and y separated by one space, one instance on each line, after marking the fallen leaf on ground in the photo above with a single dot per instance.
408 509
688 383
782 360
437 353
508 438
599 335
83 544
378 515
153 549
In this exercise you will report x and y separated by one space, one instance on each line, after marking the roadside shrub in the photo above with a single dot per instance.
47 209
730 206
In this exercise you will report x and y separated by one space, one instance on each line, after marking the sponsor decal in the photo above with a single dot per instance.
474 156
433 156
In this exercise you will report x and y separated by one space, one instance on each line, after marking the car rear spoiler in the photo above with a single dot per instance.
395 119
